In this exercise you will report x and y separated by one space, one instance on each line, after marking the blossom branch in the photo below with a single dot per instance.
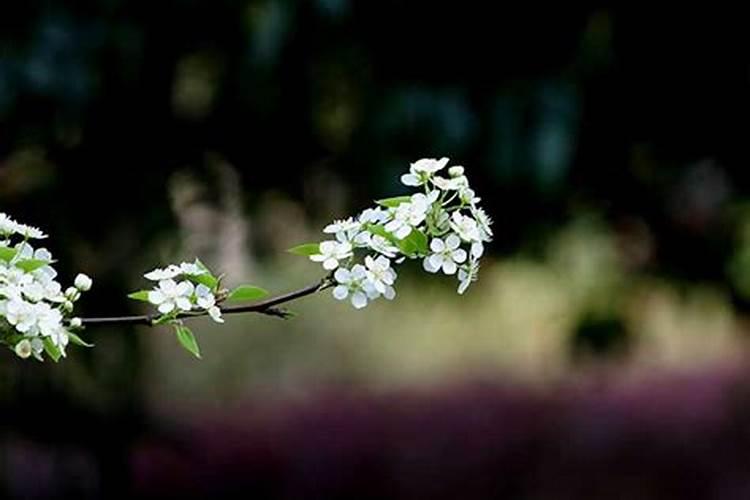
268 307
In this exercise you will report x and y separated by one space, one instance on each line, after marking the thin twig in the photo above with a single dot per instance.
268 307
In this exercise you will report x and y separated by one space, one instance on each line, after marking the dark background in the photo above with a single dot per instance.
119 118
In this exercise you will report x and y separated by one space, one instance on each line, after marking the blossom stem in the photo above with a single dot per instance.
268 307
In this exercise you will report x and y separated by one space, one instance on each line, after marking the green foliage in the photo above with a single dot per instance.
187 340
141 295
306 249
247 292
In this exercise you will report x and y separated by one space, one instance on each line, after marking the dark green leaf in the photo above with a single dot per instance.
187 340
305 250
247 292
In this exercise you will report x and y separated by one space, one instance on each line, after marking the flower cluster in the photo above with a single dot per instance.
183 288
35 311
442 225
187 290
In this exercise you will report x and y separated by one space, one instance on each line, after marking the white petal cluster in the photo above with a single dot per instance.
176 293
34 310
442 225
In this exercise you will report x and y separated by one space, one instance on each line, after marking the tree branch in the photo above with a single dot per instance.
268 307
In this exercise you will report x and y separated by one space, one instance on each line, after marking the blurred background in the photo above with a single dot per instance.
602 354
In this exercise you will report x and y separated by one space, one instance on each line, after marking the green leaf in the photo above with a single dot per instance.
393 202
75 339
247 292
30 265
141 295
418 241
52 350
379 229
187 340
7 254
305 250
204 279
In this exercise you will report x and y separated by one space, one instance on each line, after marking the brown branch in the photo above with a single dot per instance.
268 307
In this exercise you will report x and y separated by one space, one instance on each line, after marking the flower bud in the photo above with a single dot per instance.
76 323
456 171
67 306
72 294
83 282
23 349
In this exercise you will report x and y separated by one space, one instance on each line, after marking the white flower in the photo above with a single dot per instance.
343 225
22 315
449 184
76 323
484 222
383 246
83 282
446 255
465 226
374 216
467 195
467 274
205 299
354 284
381 275
422 170
331 252
7 225
456 171
30 232
411 214
163 274
23 349
170 295
191 269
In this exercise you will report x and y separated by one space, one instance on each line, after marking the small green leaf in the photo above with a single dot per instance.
247 292
30 265
75 339
7 254
379 229
187 340
305 250
204 279
141 295
394 202
52 350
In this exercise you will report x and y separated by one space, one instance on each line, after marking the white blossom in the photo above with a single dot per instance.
410 214
465 227
422 170
383 246
467 274
23 349
381 276
83 282
167 273
446 255
343 225
170 296
354 284
191 269
331 252
205 299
